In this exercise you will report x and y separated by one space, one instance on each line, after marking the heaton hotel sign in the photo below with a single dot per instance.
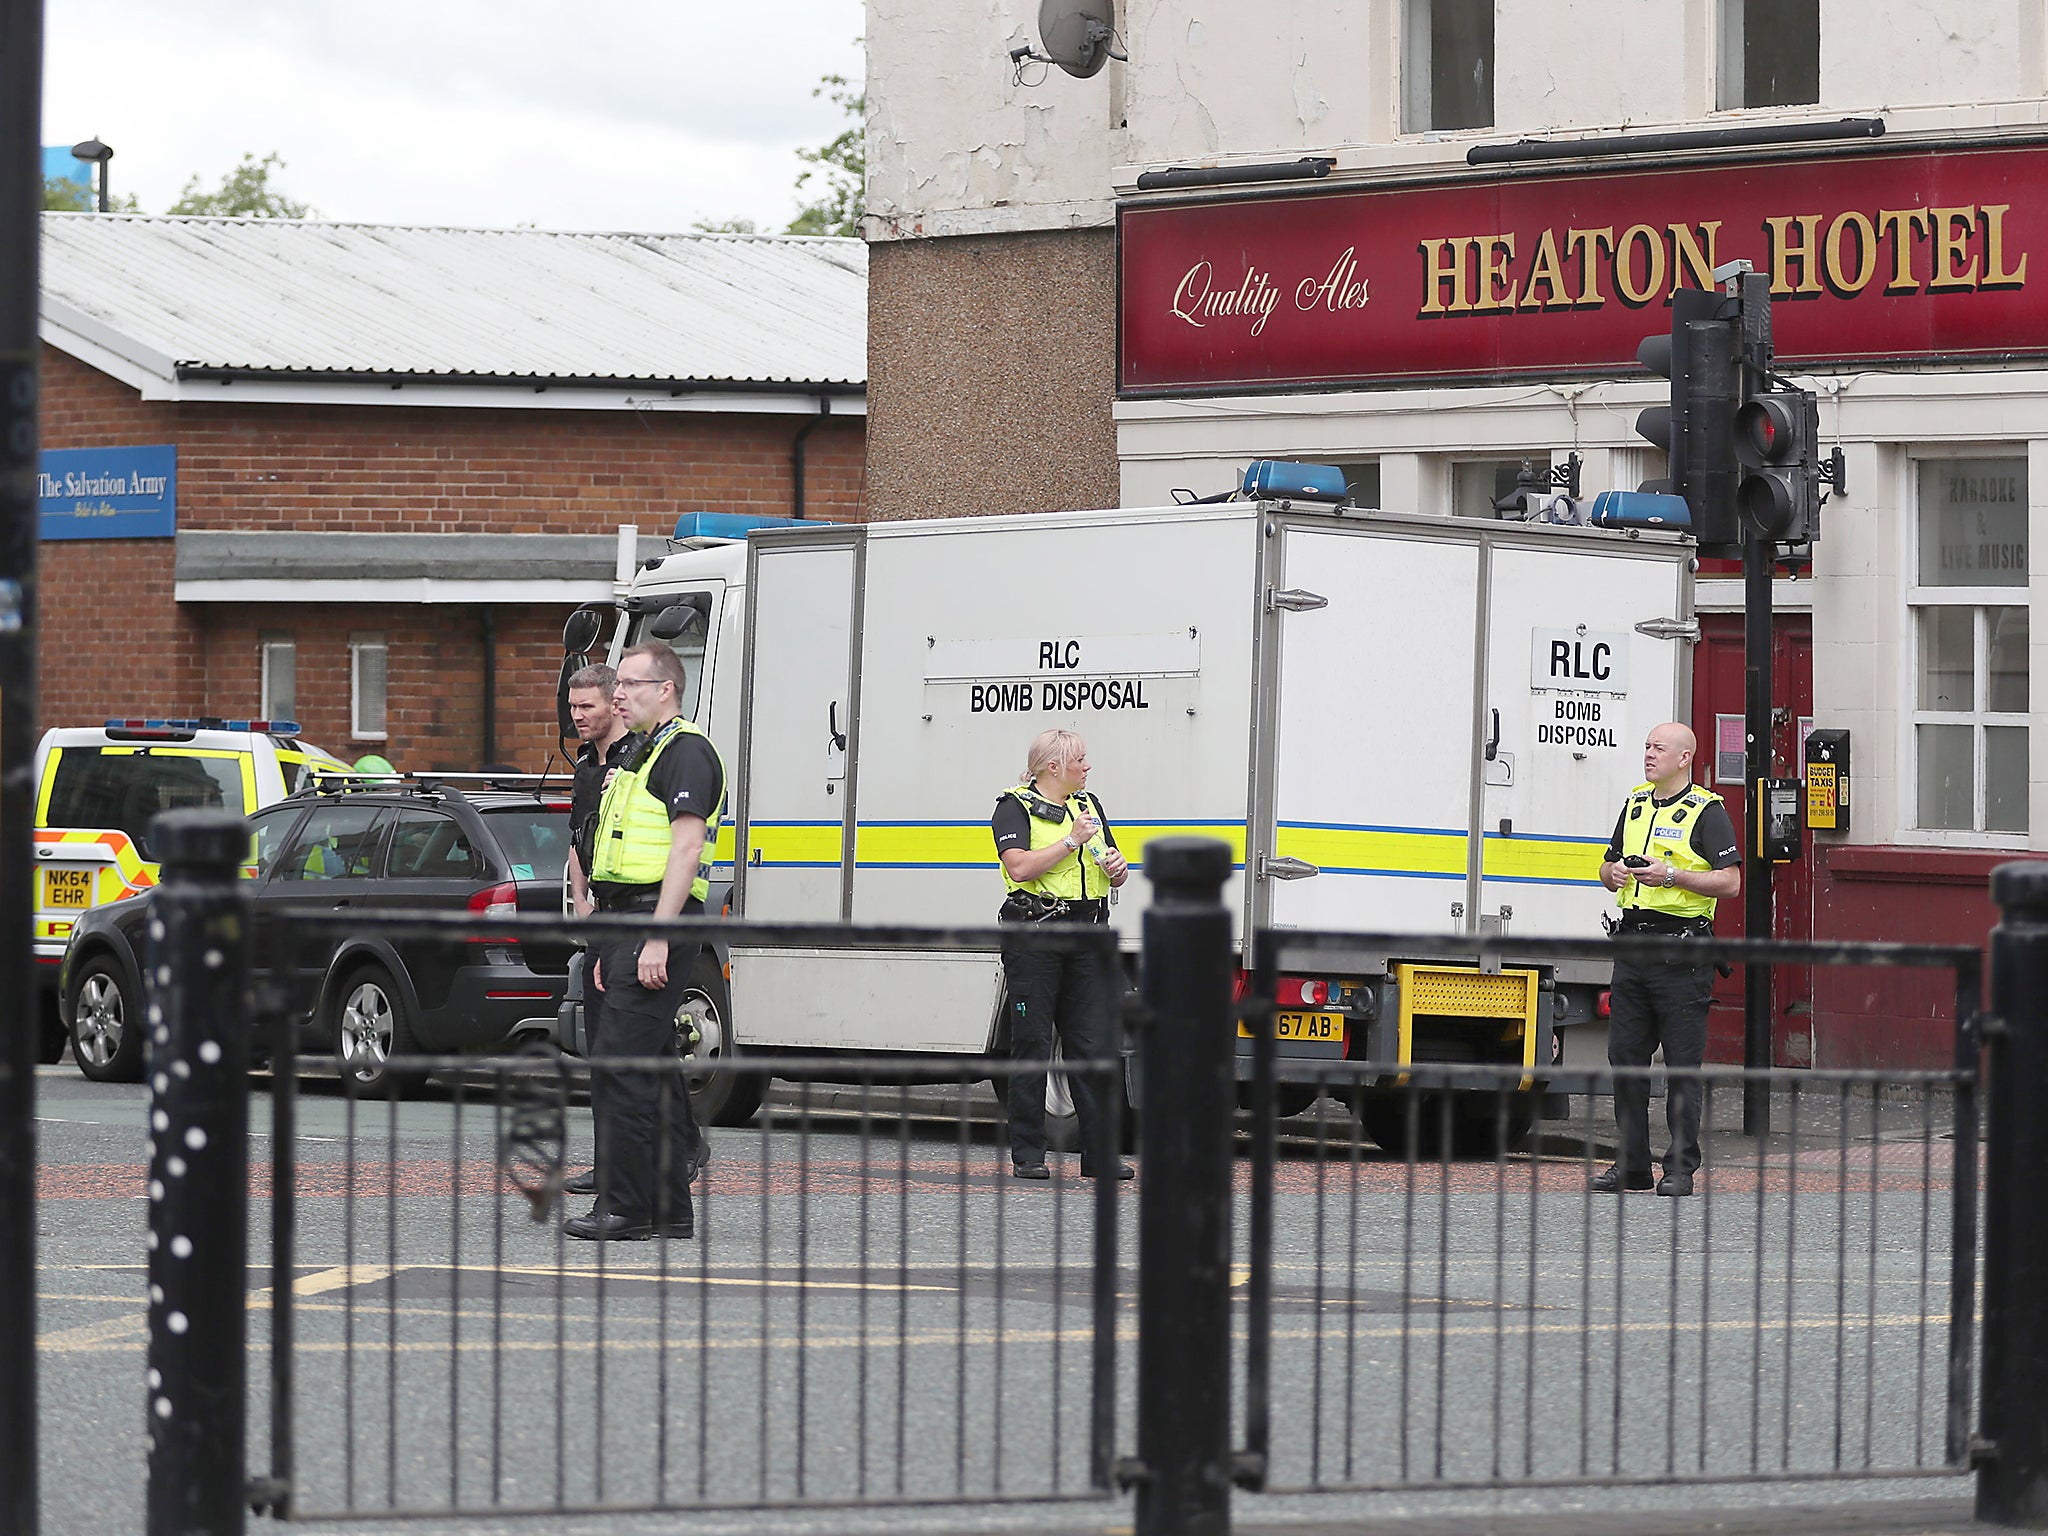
1872 257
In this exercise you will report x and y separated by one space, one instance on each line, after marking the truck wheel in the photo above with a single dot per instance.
106 1024
370 1028
716 1098
1474 1123
1289 1099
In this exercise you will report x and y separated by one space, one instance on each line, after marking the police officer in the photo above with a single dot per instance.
1672 856
606 744
655 827
1060 862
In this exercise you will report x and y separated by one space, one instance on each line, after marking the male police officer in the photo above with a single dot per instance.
606 744
655 828
1672 856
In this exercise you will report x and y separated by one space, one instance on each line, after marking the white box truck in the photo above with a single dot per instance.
1400 724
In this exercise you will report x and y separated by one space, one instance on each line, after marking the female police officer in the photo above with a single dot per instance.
1060 862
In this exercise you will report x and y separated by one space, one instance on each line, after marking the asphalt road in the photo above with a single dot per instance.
891 1317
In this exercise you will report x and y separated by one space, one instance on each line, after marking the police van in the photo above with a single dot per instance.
1399 724
97 790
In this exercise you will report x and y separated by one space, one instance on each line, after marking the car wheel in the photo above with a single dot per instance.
370 1028
106 1023
53 1036
704 1041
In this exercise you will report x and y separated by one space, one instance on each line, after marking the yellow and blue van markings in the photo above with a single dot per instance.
1336 848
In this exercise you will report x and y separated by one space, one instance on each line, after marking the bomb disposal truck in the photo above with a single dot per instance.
1400 724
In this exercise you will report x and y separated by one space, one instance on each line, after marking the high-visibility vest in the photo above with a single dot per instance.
1665 832
633 825
1077 877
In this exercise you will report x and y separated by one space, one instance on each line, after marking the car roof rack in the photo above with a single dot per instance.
337 782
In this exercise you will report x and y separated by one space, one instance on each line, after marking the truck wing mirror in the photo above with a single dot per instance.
679 618
581 631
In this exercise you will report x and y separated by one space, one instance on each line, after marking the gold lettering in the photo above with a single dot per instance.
1784 252
1546 268
1589 243
1866 253
1949 244
1688 260
1445 263
1995 273
1495 252
1653 282
1897 222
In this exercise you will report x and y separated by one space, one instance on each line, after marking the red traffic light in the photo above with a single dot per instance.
1767 430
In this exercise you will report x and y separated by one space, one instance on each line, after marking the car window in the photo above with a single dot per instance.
337 842
267 831
426 843
126 788
535 839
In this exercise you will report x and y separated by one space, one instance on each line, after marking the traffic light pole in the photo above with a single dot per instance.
1758 559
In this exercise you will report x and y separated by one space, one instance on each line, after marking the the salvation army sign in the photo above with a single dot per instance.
109 493
1871 257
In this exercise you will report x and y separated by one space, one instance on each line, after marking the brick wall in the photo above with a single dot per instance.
113 641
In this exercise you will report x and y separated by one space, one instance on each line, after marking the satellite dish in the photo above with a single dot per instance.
1078 35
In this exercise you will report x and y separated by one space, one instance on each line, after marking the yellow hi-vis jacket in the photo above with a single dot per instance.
633 834
1077 877
1665 832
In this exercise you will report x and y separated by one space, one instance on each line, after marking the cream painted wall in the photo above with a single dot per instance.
957 144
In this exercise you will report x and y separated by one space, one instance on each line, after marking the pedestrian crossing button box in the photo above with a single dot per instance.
1827 781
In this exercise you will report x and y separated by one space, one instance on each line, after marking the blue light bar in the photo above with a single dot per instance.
266 727
727 525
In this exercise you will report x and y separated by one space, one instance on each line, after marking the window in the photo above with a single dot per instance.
124 788
280 687
366 660
534 838
1447 65
267 831
1362 483
337 842
1770 53
1476 486
689 645
1969 629
428 845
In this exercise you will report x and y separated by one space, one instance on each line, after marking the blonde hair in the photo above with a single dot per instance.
1049 747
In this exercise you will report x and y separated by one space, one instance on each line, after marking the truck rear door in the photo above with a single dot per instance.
1372 745
1582 660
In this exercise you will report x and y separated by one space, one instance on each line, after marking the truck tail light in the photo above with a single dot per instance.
1300 992
1603 1005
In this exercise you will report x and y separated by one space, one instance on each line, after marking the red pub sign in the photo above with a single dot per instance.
1872 257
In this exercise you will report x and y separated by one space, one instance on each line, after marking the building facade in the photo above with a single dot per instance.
1422 239
399 458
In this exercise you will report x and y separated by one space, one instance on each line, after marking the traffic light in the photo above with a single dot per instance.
1777 438
1702 359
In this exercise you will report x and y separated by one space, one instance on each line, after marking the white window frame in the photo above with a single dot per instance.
1417 107
267 648
1728 60
1911 716
360 729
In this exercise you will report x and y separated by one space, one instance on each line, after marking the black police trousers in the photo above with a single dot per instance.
1655 1005
1076 996
642 1175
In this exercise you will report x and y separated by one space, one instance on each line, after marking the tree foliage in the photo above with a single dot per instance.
726 227
840 167
63 195
244 193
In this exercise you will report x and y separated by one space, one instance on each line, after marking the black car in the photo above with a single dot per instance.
364 997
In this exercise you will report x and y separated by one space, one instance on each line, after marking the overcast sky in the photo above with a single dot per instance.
603 114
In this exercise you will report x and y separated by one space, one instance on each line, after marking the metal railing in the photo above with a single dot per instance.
872 1311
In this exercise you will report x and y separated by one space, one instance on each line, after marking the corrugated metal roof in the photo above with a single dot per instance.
292 296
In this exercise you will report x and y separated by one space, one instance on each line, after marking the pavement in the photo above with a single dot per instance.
859 1309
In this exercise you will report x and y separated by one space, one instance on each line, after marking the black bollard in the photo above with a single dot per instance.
197 960
2012 1472
1190 1097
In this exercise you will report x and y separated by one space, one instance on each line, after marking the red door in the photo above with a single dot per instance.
1717 692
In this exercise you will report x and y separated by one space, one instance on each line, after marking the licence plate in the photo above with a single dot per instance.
67 887
1304 1026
